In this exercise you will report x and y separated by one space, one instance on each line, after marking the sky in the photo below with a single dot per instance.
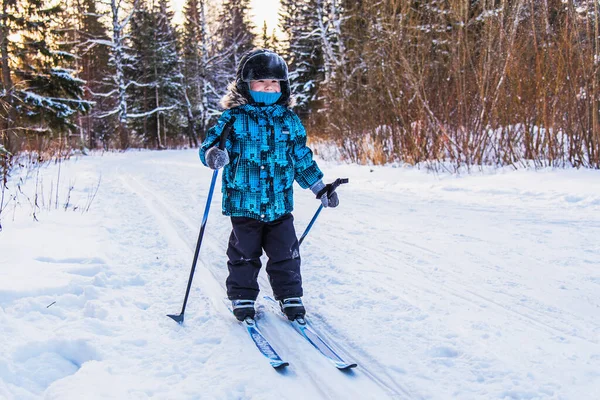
263 10
266 10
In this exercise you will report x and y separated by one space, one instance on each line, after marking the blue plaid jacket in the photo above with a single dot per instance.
267 152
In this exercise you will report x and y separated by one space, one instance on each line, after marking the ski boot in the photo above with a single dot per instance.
243 309
293 308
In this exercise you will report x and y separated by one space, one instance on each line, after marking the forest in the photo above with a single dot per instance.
462 82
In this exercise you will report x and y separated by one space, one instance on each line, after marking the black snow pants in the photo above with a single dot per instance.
278 238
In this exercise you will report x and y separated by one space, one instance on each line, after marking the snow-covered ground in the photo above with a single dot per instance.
481 286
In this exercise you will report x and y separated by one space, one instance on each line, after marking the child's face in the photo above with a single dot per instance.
265 85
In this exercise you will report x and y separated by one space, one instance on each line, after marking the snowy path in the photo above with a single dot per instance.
485 286
326 381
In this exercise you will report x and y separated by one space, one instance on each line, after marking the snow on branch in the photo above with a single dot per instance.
154 111
109 113
65 74
109 94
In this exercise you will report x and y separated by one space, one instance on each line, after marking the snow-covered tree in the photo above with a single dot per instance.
236 36
93 61
266 41
330 17
120 15
40 91
155 74
303 51
201 60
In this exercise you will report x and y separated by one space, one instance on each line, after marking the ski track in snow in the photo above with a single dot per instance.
439 287
326 388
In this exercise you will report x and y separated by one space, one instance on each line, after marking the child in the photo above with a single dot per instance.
264 153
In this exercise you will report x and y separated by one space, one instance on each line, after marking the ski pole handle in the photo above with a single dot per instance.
334 185
330 187
225 133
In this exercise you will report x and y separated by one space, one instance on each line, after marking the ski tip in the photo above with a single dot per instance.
346 366
177 318
279 364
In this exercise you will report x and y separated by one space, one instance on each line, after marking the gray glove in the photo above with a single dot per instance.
216 158
321 190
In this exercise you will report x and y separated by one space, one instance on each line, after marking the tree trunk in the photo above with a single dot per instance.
157 104
120 73
595 144
10 139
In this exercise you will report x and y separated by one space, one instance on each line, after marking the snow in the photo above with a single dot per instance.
439 286
66 73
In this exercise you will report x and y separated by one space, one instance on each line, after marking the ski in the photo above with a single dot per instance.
302 326
263 345
261 342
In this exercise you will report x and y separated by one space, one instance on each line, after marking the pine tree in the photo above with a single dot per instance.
275 43
304 51
40 93
155 75
93 61
329 20
120 61
266 41
236 37
140 74
200 62
168 73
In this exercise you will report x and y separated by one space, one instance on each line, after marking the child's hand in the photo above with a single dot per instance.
322 190
216 158
331 201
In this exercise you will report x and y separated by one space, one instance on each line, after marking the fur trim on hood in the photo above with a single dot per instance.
234 98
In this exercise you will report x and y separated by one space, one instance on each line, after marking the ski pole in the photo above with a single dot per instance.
179 317
330 190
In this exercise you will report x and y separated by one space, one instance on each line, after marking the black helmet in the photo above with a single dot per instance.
262 64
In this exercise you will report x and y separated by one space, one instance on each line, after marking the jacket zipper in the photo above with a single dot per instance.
237 164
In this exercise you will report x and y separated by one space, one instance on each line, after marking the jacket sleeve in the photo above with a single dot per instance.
306 170
213 135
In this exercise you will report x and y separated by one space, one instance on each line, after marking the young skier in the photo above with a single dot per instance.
264 154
